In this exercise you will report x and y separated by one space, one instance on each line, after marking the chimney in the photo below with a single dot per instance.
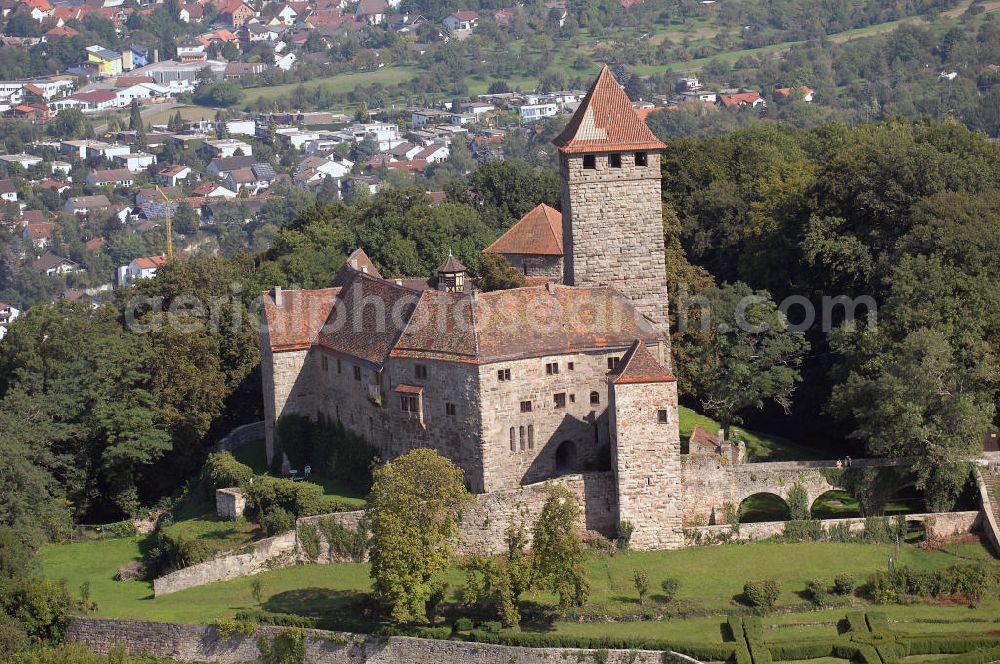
550 287
277 296
156 55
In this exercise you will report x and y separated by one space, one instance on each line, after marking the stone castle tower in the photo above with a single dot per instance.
612 211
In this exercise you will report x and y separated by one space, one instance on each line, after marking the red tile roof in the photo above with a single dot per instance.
295 325
606 121
39 231
639 366
739 99
94 96
537 233
150 262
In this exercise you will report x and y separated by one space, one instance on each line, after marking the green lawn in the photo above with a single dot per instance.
711 578
345 82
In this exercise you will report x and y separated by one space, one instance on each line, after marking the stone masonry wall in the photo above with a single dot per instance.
647 459
613 229
533 266
242 435
545 427
229 503
289 387
202 643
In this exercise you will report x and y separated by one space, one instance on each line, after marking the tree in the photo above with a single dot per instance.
413 514
496 583
135 116
185 219
557 550
496 273
176 122
741 355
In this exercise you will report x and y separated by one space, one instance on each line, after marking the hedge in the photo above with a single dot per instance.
753 628
976 657
856 622
795 650
760 653
705 651
735 627
948 644
877 622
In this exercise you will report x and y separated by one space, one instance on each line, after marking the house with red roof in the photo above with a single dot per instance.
743 99
140 268
534 245
40 235
463 20
781 94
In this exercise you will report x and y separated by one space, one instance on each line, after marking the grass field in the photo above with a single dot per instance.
711 579
760 446
336 83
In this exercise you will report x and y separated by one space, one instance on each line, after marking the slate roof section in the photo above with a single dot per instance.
639 366
358 261
606 121
538 233
295 325
451 265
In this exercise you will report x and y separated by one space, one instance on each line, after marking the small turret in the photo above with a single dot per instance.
451 275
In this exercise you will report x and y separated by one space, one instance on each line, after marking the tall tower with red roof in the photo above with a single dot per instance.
612 216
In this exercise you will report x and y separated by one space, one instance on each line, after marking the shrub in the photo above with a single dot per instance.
276 520
222 471
840 532
856 622
798 503
817 592
843 584
801 650
804 531
670 587
123 529
309 540
753 628
625 530
463 625
491 626
759 653
299 498
345 543
641 582
761 594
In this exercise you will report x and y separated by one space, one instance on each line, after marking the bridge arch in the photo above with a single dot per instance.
763 506
834 504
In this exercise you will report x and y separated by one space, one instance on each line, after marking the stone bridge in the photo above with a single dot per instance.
710 483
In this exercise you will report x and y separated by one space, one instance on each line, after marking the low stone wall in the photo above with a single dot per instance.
229 503
269 553
937 525
240 436
202 643
986 507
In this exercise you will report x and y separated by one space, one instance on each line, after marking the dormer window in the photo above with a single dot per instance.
590 162
615 160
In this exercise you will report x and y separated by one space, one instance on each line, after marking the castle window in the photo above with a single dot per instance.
409 403
559 399
595 398
572 398
613 363
571 366
589 162
339 368
503 375
531 436
513 440
326 363
357 373
663 416
525 406
615 160
449 409
421 371
522 437
640 159
552 368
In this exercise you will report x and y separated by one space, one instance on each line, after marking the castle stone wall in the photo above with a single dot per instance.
647 458
202 643
534 266
229 503
289 387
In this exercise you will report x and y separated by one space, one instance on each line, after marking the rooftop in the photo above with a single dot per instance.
539 232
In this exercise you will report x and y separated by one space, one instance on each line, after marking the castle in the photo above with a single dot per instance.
522 385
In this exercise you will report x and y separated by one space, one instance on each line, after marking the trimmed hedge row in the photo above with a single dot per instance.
705 651
856 622
976 657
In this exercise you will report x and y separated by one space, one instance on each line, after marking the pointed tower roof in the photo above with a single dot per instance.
606 121
639 366
537 233
450 265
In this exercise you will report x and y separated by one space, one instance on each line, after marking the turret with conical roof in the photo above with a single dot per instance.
451 275
612 214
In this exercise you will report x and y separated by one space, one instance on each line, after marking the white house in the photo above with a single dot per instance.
7 315
139 268
295 138
212 190
51 264
285 62
241 128
173 175
287 15
228 147
465 20
8 191
535 112
433 154
136 161
22 159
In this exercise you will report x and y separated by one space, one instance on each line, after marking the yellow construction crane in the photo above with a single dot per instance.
170 232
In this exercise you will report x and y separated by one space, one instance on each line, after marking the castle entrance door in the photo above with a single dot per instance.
566 459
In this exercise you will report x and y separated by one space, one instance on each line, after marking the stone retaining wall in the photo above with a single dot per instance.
269 553
937 525
202 643
240 436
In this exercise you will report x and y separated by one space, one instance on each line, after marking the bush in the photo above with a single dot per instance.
299 498
798 503
641 582
345 543
276 520
491 626
759 653
222 471
801 650
735 624
309 539
463 625
840 532
670 587
804 531
761 594
625 530
817 592
123 529
843 584
753 628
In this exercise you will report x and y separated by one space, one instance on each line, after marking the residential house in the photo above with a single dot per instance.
141 55
372 12
8 191
52 265
139 268
94 245
95 100
742 99
240 127
432 154
536 112
503 17
294 138
287 15
228 147
8 313
784 93
151 195
136 161
286 62
255 178
40 235
54 185
108 62
235 12
173 175
190 50
463 20
213 190
39 9
221 166
424 116
121 177
87 204
703 96
30 112
687 85
243 71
